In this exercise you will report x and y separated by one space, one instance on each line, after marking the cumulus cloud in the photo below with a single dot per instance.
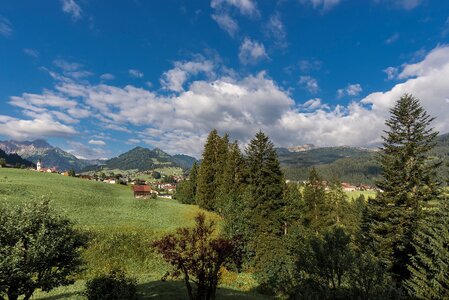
135 73
226 22
251 52
351 90
41 127
180 123
321 4
72 8
5 27
175 78
309 83
97 142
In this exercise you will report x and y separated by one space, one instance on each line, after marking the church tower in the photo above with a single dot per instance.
38 165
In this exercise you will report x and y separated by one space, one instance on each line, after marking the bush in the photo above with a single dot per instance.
113 286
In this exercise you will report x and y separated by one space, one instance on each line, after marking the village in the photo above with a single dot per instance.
165 187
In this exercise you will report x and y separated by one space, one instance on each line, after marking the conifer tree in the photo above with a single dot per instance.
266 185
314 200
210 173
408 182
336 204
429 267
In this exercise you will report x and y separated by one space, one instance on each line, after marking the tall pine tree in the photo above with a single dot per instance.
314 202
408 182
211 170
266 185
429 267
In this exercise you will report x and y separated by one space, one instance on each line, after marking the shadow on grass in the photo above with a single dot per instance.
167 290
73 295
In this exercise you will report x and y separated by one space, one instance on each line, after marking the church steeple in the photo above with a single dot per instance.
39 165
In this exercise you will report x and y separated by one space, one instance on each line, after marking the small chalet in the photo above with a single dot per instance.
142 191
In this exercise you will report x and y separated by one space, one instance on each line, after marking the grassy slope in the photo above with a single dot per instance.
122 228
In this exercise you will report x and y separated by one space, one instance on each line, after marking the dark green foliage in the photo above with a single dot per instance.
186 190
211 170
113 286
197 256
266 186
38 249
330 259
368 278
141 159
314 202
13 159
294 206
72 172
429 267
408 183
348 164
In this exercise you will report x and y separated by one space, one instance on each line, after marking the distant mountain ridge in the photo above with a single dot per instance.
41 150
143 159
15 160
348 164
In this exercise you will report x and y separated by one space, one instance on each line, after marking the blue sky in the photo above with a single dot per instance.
100 77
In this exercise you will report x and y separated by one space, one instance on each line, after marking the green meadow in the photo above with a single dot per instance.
121 228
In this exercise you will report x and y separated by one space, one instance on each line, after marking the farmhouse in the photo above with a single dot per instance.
142 191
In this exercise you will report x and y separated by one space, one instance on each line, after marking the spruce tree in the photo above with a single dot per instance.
429 267
266 185
314 200
210 173
408 182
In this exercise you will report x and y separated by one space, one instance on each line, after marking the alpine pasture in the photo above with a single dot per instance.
121 230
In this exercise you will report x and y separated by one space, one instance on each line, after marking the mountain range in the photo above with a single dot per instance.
348 164
138 158
143 159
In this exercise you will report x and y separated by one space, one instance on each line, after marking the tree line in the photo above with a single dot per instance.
309 241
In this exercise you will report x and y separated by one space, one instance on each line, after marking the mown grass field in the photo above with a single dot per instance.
122 228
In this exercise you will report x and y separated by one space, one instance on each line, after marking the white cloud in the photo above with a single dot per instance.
251 52
72 70
36 128
72 8
226 22
309 83
392 72
135 73
241 106
245 7
351 90
275 30
322 4
5 27
31 52
85 152
107 76
97 142
175 78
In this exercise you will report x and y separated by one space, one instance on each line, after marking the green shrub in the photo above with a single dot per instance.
113 286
